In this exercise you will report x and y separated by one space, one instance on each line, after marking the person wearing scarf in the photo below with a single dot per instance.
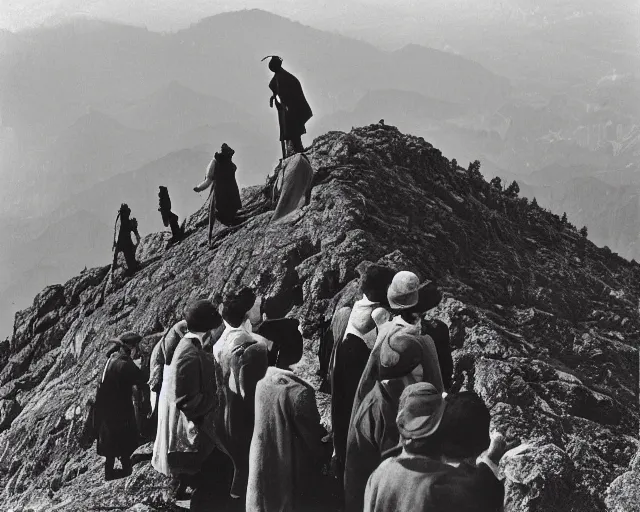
350 355
224 197
118 435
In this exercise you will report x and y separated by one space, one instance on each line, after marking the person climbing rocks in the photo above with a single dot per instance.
287 454
123 243
115 419
439 464
169 218
352 353
403 359
224 197
293 109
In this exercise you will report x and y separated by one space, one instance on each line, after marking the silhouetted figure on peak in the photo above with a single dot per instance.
293 109
123 243
169 218
224 196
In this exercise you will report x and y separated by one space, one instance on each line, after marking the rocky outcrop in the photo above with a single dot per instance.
545 328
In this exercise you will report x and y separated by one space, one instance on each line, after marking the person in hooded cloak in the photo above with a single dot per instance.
224 197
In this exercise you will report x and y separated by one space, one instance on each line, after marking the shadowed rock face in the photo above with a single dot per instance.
545 326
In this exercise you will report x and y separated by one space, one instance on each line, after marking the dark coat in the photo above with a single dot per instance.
418 484
296 109
115 415
439 333
225 190
372 432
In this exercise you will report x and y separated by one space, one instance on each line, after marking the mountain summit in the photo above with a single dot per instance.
544 325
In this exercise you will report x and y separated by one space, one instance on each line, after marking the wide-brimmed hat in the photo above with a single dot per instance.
420 411
403 292
275 63
130 338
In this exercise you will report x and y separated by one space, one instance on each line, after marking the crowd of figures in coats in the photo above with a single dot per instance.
225 205
235 428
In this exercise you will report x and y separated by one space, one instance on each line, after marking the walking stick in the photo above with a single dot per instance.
283 127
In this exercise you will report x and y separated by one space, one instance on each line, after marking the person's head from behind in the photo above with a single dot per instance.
419 415
226 151
124 211
400 359
131 343
237 307
375 283
409 299
275 63
202 316
464 430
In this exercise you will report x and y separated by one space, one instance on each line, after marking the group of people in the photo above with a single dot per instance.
220 178
400 441
242 431
234 423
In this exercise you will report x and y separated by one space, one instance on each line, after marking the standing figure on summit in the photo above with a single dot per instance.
123 243
225 195
293 109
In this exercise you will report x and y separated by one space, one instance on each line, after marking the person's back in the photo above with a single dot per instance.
413 484
118 434
440 458
287 452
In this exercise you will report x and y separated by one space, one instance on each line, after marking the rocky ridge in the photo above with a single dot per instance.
544 325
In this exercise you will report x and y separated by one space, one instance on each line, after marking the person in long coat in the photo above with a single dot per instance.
352 353
224 197
185 445
293 109
287 453
115 418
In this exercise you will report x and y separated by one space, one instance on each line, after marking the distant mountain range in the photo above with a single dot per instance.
96 113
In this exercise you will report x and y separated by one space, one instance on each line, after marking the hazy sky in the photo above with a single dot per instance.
172 14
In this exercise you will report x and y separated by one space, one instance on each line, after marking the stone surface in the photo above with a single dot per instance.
519 295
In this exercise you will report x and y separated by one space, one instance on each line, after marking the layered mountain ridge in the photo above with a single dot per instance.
544 325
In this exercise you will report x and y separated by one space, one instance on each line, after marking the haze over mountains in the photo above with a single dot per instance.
97 113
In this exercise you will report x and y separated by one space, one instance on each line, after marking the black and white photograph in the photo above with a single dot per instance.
320 255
